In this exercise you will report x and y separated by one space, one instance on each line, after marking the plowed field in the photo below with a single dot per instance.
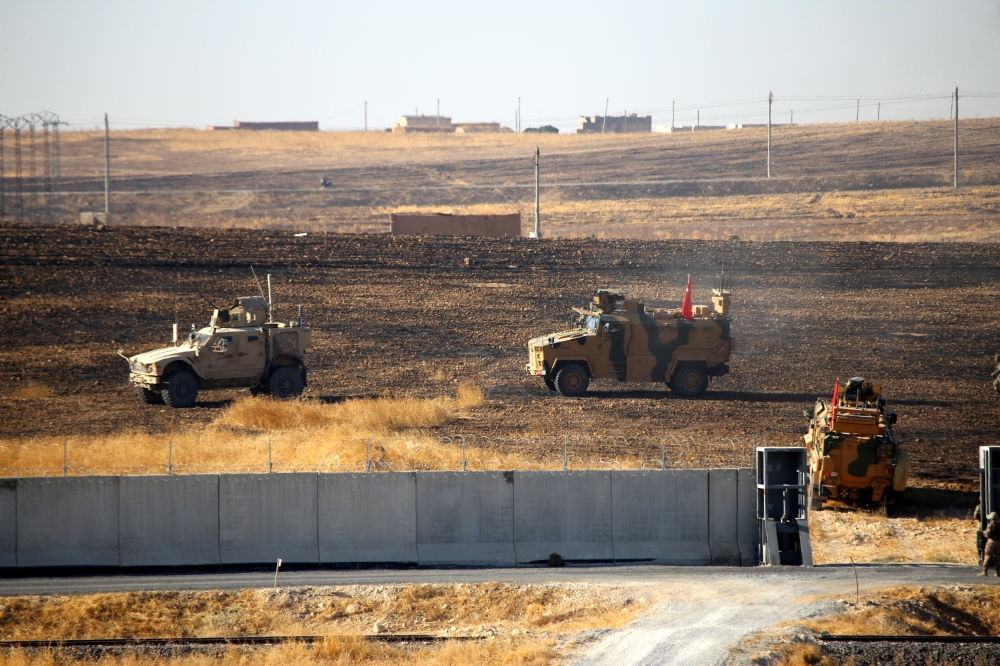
406 316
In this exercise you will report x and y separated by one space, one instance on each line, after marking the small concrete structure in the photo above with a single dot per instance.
465 518
169 520
67 522
474 128
568 513
746 517
266 516
627 124
368 518
422 124
443 224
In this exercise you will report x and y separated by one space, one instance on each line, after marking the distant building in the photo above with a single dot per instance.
614 124
422 124
667 129
293 126
471 128
443 224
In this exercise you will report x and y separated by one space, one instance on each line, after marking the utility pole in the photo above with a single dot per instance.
770 100
857 113
673 115
956 137
538 227
438 117
698 119
518 115
791 117
878 113
604 123
366 115
107 172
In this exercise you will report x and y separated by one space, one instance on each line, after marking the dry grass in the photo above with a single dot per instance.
293 435
32 392
915 535
519 622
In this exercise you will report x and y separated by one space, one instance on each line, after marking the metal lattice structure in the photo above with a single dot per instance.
40 189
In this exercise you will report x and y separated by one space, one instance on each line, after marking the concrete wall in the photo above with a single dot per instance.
370 518
427 518
457 225
466 518
263 517
169 520
568 513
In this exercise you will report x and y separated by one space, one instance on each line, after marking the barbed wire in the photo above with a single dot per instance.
443 453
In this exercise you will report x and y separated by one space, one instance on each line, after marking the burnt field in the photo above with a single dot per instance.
405 316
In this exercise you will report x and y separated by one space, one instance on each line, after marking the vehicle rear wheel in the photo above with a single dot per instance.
550 383
285 383
690 380
180 389
572 380
147 396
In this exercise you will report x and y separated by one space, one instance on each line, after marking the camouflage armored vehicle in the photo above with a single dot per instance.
238 348
619 338
853 456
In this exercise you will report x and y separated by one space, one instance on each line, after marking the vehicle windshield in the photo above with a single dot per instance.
199 338
591 322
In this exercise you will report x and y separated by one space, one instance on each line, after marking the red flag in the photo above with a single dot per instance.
833 405
686 311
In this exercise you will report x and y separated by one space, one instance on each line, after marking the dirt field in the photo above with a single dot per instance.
405 316
867 181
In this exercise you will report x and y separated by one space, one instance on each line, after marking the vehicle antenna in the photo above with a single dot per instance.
258 283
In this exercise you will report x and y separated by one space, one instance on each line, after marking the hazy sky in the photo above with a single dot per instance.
213 61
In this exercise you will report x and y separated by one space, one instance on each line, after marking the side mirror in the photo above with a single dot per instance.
808 413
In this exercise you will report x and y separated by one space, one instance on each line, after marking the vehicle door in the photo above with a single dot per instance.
615 337
251 354
222 359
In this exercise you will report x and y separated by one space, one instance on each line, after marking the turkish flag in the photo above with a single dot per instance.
686 311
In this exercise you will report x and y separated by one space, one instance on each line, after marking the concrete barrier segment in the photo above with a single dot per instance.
169 520
368 518
568 513
748 529
8 523
723 517
263 517
465 518
67 522
661 516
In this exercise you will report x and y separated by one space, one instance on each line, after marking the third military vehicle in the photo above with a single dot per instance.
240 347
853 456
619 338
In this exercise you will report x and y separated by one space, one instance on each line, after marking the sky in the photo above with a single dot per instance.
182 63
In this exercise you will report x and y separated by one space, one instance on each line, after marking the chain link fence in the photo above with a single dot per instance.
458 452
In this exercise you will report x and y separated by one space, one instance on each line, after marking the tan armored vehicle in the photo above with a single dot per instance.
239 348
619 338
853 456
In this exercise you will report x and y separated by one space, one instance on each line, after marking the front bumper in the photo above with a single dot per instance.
143 379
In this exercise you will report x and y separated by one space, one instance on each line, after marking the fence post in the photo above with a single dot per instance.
565 442
368 455
270 460
663 453
463 452
170 459
65 453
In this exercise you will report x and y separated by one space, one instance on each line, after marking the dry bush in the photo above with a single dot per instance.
32 391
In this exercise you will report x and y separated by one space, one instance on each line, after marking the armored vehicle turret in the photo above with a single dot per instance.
240 348
620 338
853 456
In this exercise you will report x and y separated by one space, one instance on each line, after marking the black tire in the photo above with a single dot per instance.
285 383
180 389
689 380
260 389
550 383
147 396
572 380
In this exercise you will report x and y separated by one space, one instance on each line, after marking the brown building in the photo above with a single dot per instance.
614 124
422 124
443 224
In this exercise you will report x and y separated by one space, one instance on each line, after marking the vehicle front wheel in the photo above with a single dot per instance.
572 380
285 383
550 383
690 380
147 396
181 389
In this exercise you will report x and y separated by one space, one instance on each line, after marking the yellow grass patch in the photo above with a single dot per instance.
516 622
32 392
